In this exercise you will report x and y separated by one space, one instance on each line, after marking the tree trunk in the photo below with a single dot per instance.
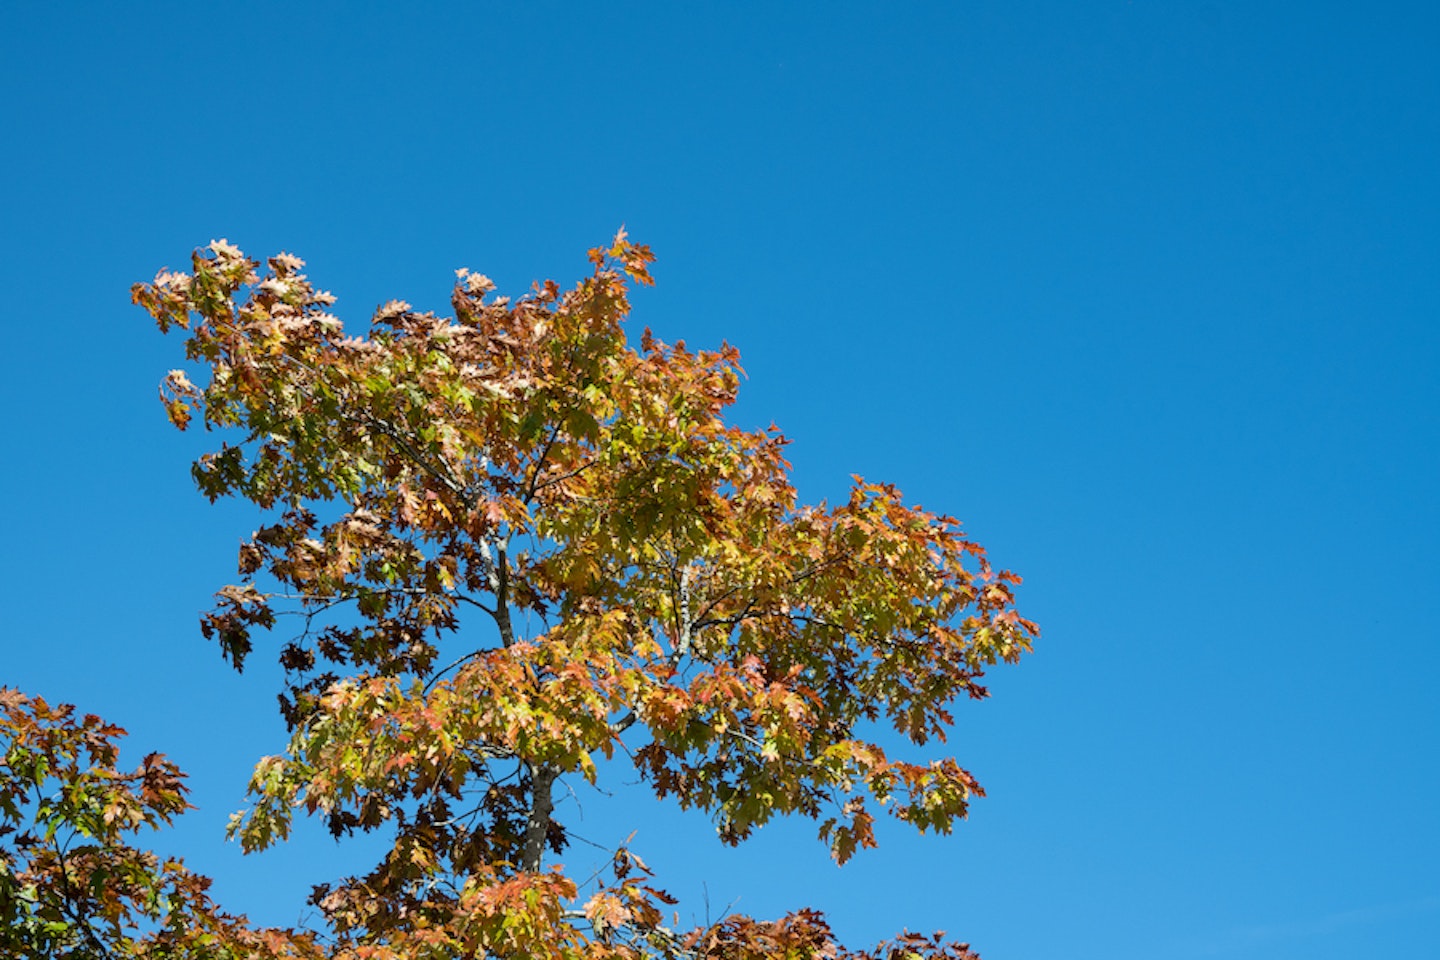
537 825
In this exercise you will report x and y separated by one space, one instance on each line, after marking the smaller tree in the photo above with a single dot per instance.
72 882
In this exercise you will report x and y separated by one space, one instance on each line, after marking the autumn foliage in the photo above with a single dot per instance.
506 546
72 881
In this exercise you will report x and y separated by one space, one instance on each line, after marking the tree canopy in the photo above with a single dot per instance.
502 548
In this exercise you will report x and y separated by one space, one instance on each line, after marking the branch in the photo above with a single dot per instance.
706 621
498 573
671 942
746 613
684 627
685 631
449 482
458 662
74 908
564 476
532 485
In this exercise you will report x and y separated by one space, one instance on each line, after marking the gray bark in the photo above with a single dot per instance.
537 825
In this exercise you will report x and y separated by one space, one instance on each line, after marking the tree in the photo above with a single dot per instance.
72 884
517 549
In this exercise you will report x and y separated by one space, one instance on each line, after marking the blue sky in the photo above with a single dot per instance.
1146 293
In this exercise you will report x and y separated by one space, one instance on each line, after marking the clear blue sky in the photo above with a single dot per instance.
1145 292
